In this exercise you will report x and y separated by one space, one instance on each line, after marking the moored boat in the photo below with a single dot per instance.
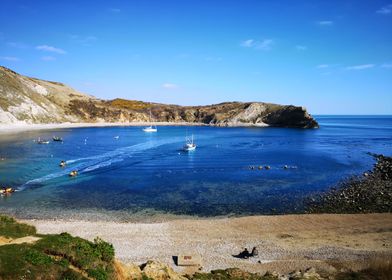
150 128
189 145
57 139
42 141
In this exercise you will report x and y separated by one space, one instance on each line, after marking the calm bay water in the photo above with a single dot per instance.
141 172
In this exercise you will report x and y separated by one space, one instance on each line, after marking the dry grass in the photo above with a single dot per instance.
129 104
378 269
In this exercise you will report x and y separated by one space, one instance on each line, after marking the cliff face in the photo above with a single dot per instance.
30 100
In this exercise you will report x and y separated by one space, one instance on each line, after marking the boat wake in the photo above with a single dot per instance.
88 164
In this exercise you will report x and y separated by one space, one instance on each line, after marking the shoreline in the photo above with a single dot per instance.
285 242
21 127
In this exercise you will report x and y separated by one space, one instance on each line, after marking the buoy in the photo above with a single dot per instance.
285 167
267 167
260 167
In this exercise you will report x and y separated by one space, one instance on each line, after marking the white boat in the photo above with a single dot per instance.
189 145
116 137
150 128
40 141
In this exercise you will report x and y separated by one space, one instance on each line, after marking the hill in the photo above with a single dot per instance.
30 100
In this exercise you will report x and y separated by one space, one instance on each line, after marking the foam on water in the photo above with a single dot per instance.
88 164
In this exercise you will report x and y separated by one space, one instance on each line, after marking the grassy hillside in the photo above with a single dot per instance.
58 256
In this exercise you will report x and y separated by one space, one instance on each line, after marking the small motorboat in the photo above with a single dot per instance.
57 139
116 137
6 190
41 141
150 129
189 145
63 163
73 173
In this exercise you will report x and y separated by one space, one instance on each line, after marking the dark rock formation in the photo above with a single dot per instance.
370 193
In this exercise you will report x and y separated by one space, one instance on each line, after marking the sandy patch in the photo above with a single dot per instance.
26 239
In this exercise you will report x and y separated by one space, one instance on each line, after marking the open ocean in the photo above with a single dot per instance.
148 173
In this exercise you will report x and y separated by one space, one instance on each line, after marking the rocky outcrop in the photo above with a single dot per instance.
30 100
370 193
150 270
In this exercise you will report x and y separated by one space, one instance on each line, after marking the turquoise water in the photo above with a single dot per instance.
141 172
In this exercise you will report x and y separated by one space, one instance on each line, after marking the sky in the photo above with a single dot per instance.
333 57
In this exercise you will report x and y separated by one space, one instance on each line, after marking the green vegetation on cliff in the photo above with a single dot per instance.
57 256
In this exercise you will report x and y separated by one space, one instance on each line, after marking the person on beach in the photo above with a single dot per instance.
243 255
255 252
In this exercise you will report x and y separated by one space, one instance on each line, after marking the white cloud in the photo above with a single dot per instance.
325 22
322 66
48 58
212 58
247 43
169 86
47 48
264 45
17 45
386 10
10 58
83 40
386 65
360 67
301 48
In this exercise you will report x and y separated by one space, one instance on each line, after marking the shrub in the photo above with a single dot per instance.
11 228
105 249
37 258
98 273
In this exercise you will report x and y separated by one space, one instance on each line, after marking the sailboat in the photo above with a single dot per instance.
189 144
150 128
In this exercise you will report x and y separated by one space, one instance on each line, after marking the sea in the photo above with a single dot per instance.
125 173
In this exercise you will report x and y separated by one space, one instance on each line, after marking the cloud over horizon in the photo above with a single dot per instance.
325 22
169 86
385 10
301 48
10 58
47 48
360 67
264 45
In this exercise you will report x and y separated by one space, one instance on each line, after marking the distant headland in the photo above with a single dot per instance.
26 100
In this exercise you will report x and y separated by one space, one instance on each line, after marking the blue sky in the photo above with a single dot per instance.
333 57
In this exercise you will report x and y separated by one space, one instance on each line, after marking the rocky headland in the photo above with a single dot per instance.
369 193
34 101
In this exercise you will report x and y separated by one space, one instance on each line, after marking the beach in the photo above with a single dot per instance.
20 127
285 243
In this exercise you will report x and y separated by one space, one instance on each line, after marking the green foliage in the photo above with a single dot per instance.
20 260
105 249
145 277
38 258
72 275
51 257
98 273
10 228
